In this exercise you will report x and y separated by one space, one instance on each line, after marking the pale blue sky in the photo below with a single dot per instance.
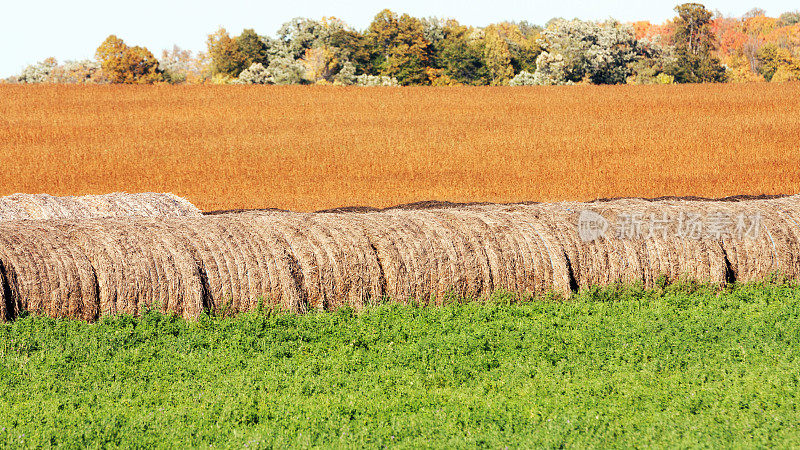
33 30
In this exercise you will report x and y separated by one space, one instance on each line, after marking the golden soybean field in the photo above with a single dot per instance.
309 148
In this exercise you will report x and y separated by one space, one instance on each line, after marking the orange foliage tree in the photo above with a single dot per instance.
129 65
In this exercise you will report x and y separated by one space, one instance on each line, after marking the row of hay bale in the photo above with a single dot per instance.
44 206
230 263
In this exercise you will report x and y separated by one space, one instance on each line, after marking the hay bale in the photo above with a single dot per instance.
776 248
547 267
292 258
244 262
139 263
615 258
406 255
357 280
43 206
44 274
287 282
238 262
329 256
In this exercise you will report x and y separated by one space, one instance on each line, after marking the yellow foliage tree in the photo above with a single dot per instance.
129 65
497 56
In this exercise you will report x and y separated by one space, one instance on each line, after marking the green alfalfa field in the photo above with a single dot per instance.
676 366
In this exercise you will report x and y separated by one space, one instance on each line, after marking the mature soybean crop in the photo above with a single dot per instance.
307 148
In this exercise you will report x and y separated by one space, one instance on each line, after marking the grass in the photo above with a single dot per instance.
309 148
681 366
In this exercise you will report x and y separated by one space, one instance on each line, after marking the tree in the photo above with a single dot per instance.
252 48
300 34
226 56
255 74
789 18
285 70
496 56
351 46
346 76
124 64
78 72
39 72
319 64
755 12
600 52
183 66
401 50
522 40
695 43
523 78
460 57
777 61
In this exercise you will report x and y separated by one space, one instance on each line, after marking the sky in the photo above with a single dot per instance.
31 31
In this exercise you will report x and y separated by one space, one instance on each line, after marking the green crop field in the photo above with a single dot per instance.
681 366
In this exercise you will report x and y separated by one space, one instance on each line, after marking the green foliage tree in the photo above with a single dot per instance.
226 56
351 46
400 48
459 56
252 48
524 46
695 43
124 64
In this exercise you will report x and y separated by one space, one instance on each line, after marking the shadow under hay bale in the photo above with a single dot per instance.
5 295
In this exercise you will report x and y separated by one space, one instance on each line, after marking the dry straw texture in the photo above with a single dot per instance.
236 262
43 206
307 148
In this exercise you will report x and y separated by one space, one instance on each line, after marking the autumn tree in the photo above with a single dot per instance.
226 56
400 48
695 43
459 56
789 18
576 50
522 40
124 64
496 56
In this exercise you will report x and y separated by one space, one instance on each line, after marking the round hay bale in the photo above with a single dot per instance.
43 206
398 250
358 280
45 274
287 282
139 264
474 256
429 281
315 268
549 265
211 246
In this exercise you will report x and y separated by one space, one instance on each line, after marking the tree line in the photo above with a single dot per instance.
398 49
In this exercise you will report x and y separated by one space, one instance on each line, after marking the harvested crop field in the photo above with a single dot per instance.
310 148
